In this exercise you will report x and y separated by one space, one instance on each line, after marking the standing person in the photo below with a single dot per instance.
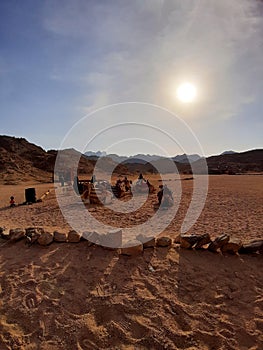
61 180
93 179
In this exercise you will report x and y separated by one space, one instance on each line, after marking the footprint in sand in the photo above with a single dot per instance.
86 344
50 290
31 301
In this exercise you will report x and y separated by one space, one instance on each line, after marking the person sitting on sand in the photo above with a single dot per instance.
167 200
141 179
12 202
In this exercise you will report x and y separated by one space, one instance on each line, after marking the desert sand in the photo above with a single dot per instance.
71 296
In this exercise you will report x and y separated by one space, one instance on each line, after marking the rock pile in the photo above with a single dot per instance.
223 243
113 239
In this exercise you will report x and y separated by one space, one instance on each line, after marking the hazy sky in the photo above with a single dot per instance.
60 60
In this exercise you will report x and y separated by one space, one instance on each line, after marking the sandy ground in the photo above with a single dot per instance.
233 206
71 296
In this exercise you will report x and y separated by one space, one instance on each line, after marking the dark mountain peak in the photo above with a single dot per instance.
228 152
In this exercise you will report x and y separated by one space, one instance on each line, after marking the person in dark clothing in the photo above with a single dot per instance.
127 184
160 194
93 179
168 200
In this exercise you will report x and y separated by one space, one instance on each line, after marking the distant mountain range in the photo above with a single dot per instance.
22 161
142 158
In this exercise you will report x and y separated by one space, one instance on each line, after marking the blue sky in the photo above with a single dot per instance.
60 60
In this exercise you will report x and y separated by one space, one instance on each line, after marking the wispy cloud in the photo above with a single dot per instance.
147 47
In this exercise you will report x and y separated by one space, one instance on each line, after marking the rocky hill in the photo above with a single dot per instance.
236 163
22 161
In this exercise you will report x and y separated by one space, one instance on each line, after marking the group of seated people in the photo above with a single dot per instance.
164 195
124 184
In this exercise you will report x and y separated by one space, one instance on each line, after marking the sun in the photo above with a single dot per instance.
186 92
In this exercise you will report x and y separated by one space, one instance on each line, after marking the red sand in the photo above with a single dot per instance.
71 296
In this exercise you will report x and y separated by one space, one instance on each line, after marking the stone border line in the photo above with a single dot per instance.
223 243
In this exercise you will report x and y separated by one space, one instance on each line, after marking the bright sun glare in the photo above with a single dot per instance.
186 92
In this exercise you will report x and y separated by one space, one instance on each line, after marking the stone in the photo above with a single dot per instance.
203 240
34 230
91 237
60 236
2 234
32 234
151 243
147 241
188 241
132 248
232 247
16 234
164 242
218 243
45 238
113 239
74 236
177 239
252 247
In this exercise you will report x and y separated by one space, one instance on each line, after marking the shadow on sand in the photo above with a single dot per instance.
79 297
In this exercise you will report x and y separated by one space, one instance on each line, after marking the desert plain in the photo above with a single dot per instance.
74 296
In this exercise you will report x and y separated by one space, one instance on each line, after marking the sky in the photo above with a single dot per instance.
62 61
